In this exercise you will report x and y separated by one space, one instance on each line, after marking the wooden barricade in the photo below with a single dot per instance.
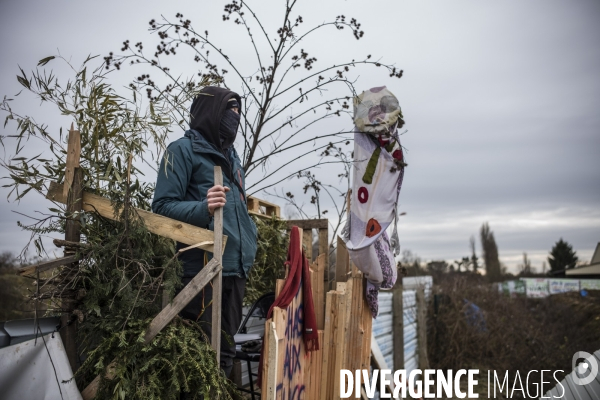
72 194
344 323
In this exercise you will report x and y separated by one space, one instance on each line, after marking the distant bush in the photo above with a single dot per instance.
14 293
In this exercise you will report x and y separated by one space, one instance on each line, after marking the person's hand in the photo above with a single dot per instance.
216 197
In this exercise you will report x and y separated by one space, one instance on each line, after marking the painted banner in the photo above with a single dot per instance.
563 285
589 284
536 287
513 288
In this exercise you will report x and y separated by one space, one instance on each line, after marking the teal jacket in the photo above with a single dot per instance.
186 173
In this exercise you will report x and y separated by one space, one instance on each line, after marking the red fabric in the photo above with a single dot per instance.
299 274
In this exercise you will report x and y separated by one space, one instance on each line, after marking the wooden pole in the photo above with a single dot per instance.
74 189
422 329
398 325
218 279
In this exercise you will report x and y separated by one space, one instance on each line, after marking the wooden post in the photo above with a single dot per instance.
307 241
422 329
217 281
236 373
342 262
73 188
398 325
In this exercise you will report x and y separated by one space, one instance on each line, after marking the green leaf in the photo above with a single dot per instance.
45 61
24 82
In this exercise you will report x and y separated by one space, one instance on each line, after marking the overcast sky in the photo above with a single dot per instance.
501 102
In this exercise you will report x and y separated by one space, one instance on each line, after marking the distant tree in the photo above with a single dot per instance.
412 263
490 253
544 267
526 269
462 263
562 256
474 259
437 269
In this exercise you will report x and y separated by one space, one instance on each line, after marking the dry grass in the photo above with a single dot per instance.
520 334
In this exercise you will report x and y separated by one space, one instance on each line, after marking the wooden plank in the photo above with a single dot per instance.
73 155
308 223
279 319
324 244
272 363
367 324
190 291
46 265
342 264
313 373
217 281
274 211
357 328
279 286
318 289
422 329
255 204
265 356
398 325
74 207
261 202
328 342
307 241
348 326
163 226
339 348
72 234
164 317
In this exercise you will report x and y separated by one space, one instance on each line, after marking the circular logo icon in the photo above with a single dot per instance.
587 370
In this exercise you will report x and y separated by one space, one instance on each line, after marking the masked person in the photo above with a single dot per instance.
185 191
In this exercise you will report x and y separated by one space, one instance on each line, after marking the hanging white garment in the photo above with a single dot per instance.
377 178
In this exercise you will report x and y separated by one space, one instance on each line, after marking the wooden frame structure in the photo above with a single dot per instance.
76 200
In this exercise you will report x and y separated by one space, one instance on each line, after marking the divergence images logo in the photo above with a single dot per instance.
587 370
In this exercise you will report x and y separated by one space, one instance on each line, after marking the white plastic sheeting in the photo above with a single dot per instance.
382 325
37 369
383 328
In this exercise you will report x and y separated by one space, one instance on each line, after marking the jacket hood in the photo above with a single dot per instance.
207 110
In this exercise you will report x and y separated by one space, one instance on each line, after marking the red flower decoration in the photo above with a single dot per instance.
373 227
398 155
363 194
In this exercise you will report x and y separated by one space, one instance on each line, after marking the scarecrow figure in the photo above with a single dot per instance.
378 172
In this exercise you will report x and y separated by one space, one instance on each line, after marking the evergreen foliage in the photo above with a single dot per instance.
562 256
271 254
179 359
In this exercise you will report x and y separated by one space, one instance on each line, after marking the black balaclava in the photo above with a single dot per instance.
229 124
208 111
